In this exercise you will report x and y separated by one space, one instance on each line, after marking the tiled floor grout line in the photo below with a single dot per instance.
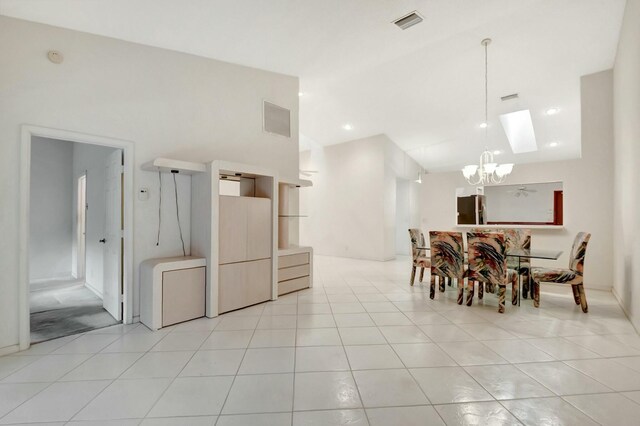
58 379
295 360
62 376
355 383
237 371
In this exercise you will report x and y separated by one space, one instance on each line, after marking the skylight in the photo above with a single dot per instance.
519 130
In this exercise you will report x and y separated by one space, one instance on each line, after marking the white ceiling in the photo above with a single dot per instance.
422 87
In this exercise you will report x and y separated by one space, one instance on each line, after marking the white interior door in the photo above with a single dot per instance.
112 265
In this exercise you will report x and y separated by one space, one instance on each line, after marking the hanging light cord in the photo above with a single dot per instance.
175 189
159 208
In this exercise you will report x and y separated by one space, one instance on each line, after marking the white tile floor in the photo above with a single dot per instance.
360 348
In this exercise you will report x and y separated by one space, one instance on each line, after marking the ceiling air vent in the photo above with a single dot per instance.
509 97
276 119
408 20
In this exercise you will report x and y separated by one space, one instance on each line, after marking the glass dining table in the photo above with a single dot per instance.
543 254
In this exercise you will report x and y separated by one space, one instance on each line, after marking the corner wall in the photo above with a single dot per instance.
351 206
626 213
169 104
588 188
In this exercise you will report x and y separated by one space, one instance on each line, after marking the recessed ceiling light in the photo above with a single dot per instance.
553 144
300 93
483 125
497 152
347 127
552 111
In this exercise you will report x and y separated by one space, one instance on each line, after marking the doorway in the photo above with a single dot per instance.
75 240
75 257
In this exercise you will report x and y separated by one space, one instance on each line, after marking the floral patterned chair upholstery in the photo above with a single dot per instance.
447 260
515 239
573 275
420 259
520 239
488 264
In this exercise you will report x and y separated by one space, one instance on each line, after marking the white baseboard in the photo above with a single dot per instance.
619 299
93 290
9 350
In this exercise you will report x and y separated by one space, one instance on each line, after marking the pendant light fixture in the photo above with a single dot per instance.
488 171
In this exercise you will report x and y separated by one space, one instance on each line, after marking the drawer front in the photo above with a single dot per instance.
293 272
243 284
183 295
293 285
293 260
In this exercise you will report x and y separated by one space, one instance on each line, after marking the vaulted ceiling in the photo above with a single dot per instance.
422 87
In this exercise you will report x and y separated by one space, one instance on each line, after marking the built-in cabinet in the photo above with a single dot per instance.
233 225
244 229
172 290
295 262
245 243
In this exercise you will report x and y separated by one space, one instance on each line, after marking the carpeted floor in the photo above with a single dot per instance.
64 310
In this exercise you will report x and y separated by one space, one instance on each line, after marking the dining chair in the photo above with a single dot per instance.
520 239
420 259
574 275
484 287
488 264
447 261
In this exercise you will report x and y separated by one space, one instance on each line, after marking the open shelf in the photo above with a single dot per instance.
167 165
292 215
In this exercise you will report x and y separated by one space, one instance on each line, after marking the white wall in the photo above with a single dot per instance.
168 103
403 217
50 210
399 167
626 222
345 203
92 159
587 182
502 205
352 204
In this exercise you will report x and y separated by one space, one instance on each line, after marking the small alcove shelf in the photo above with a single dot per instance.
168 165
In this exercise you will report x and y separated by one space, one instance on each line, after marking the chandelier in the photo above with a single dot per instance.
488 171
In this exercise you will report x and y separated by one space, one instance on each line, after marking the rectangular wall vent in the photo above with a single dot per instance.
408 20
276 119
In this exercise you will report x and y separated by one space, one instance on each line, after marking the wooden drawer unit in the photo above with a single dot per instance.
296 284
293 260
285 274
294 271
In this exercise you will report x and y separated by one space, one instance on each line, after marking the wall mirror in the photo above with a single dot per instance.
535 204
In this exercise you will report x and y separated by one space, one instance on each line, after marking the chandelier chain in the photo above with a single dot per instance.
486 95
487 171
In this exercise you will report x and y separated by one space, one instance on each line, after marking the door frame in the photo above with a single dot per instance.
81 225
27 132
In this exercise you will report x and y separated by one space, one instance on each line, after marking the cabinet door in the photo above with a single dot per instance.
244 284
183 295
259 225
233 229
